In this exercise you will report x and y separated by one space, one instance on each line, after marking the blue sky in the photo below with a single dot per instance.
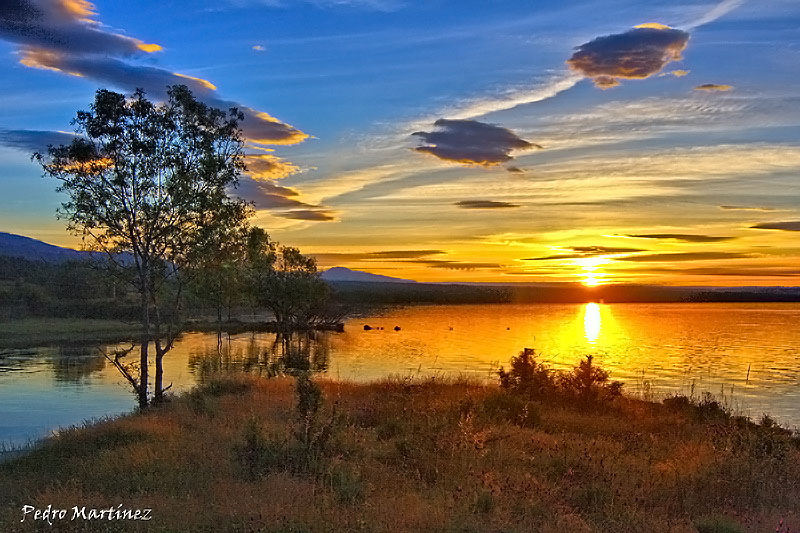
541 170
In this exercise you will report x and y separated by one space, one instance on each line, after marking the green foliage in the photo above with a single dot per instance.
589 383
527 376
586 383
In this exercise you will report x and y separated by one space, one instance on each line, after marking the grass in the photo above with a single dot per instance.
245 454
27 332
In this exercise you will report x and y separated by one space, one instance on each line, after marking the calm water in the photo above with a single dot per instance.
748 352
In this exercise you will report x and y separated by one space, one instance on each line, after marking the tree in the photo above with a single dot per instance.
147 184
288 284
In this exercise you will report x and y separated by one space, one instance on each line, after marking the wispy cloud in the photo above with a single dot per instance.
485 204
680 237
310 215
33 140
789 225
683 256
718 11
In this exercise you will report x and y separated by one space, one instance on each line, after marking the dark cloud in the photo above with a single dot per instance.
63 25
586 251
314 215
746 208
257 126
723 271
63 36
789 225
33 140
713 87
456 265
515 170
268 195
484 204
683 256
683 237
635 54
471 142
403 254
388 255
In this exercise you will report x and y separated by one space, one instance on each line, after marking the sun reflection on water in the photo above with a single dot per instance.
592 323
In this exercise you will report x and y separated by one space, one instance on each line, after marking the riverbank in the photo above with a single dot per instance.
240 454
34 332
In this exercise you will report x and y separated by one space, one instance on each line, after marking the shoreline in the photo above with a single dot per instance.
485 458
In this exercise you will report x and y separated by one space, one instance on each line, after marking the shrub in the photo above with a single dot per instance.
527 376
346 483
589 383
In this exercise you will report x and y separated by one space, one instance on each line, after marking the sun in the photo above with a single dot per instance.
589 266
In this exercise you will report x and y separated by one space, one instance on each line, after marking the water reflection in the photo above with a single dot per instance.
286 354
592 322
751 351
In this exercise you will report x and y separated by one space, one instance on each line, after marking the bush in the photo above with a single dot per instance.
527 376
589 383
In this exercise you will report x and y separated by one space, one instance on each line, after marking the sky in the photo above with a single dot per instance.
592 142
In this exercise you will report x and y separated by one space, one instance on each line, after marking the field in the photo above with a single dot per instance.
248 454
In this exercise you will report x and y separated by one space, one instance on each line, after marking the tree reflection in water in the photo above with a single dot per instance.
283 354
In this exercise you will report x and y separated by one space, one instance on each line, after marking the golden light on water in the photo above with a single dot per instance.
592 322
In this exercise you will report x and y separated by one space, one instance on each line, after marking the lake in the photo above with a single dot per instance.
747 353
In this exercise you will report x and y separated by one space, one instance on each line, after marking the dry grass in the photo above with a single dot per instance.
404 456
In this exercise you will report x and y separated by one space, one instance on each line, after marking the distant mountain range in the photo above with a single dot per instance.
345 274
18 246
12 245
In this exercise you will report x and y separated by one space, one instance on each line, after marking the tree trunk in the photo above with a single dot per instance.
159 381
143 359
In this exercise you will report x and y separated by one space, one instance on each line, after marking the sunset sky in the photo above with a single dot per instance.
507 141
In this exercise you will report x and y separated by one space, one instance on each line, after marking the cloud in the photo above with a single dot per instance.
635 54
713 87
33 140
586 251
720 10
471 142
484 204
746 208
683 237
386 255
64 36
456 265
259 48
789 225
515 170
258 127
64 25
683 256
677 73
313 215
269 167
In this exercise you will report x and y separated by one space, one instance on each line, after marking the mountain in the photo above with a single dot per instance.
345 274
33 250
